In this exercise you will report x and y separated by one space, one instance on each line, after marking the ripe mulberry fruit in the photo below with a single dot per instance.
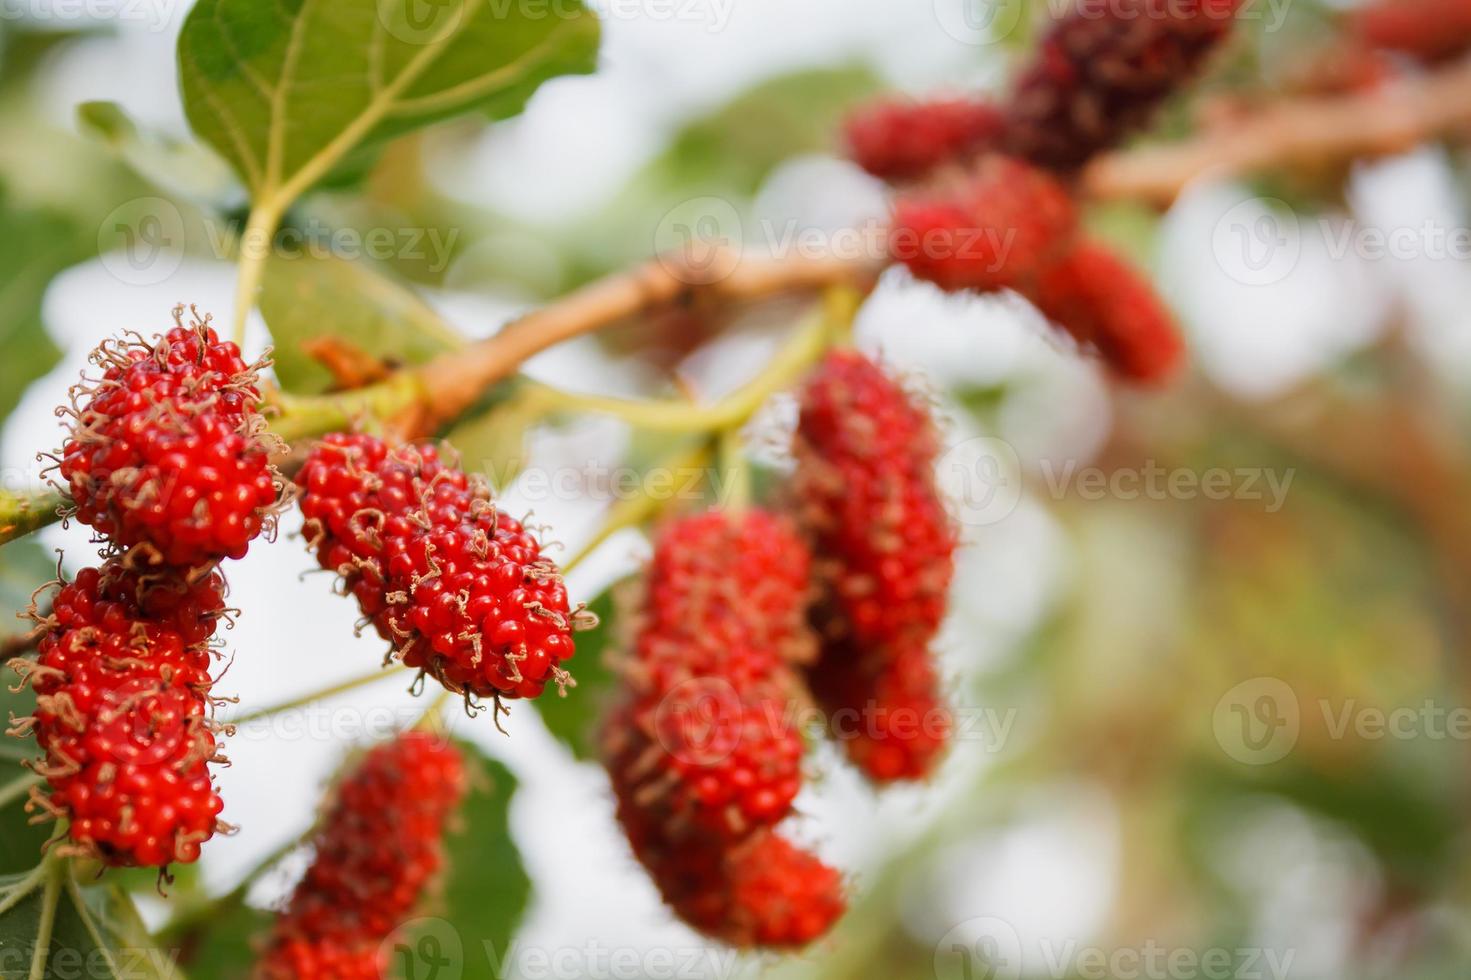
460 588
121 717
1108 307
899 140
997 230
1428 30
1103 70
377 849
168 451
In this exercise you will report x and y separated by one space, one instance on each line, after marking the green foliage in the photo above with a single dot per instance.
493 443
34 247
187 169
93 931
573 719
288 92
308 296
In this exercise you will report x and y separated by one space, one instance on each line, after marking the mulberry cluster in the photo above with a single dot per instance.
1012 226
168 452
900 140
377 849
460 588
1102 72
703 753
866 497
122 716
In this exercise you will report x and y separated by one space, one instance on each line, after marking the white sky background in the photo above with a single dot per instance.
1256 332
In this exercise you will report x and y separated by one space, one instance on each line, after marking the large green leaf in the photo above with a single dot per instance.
573 719
287 91
75 931
34 247
306 296
485 891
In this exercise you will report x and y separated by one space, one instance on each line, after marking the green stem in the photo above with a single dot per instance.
303 416
55 873
14 790
840 305
22 513
255 251
735 494
24 887
321 695
805 347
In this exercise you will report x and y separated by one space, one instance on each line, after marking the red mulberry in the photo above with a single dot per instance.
1107 306
122 719
899 140
460 588
995 231
1102 72
1429 30
377 849
168 451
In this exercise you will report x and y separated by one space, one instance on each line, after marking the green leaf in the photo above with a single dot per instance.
493 443
287 91
91 931
573 719
182 168
225 947
307 296
34 247
485 891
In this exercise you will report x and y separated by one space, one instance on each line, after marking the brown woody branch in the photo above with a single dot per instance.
1296 132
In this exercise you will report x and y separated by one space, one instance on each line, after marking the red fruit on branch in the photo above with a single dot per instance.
460 588
122 706
377 849
168 451
902 140
1102 72
1429 30
997 230
1109 307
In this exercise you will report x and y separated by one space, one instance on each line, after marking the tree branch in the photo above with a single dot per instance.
1295 132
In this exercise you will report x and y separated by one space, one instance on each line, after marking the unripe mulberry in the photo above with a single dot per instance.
996 230
1103 70
168 451
121 717
460 588
884 706
900 140
866 496
1429 30
1109 307
705 738
377 848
